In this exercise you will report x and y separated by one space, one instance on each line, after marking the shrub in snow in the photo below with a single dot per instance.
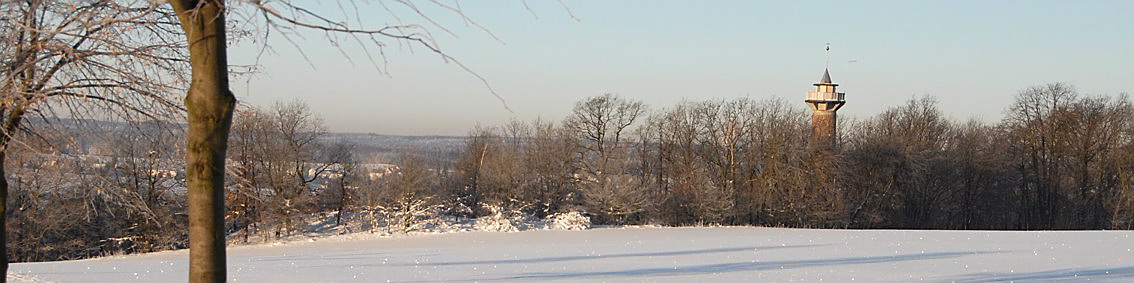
569 221
405 214
614 200
500 220
495 223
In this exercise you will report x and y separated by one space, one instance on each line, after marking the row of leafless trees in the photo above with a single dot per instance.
92 188
133 60
277 160
1059 160
117 189
285 173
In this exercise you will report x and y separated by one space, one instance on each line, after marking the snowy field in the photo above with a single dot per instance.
723 254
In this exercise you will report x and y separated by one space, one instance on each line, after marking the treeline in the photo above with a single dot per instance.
1058 160
93 189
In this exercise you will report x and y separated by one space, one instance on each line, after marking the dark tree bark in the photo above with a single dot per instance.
210 105
11 124
3 220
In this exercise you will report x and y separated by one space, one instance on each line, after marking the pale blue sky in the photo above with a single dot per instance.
972 55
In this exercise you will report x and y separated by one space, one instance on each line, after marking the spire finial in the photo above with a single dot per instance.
828 55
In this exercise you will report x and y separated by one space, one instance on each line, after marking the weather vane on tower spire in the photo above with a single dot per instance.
828 55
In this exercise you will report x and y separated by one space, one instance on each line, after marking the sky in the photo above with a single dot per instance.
973 56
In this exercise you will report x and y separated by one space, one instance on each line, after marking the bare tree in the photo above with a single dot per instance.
739 161
1066 144
49 41
246 197
602 124
492 171
346 178
407 197
898 172
95 189
734 161
211 104
1122 203
549 160
465 191
530 170
63 58
682 175
987 179
294 147
783 186
146 172
278 157
1039 119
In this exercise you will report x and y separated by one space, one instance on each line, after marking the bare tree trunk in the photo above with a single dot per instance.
9 129
3 220
342 199
15 114
210 105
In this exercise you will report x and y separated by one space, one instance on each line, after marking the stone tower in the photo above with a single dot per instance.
824 101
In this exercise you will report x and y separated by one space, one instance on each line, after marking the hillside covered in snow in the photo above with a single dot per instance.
712 254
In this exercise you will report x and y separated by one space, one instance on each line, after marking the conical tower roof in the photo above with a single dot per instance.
826 79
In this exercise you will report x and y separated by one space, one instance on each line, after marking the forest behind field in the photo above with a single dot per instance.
1057 160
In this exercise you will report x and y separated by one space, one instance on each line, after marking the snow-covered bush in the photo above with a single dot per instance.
406 214
501 220
572 220
614 198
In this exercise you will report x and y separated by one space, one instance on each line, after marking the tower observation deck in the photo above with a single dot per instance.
824 102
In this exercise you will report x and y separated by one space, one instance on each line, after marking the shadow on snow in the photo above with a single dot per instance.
609 256
1052 275
741 266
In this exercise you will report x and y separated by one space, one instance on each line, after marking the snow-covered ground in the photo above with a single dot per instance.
733 254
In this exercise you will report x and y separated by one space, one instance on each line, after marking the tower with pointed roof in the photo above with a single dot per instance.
824 101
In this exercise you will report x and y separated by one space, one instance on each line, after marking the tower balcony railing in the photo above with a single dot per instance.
825 96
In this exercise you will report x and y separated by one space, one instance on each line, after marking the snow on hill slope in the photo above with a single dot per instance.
720 254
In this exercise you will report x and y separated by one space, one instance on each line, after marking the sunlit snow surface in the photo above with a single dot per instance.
733 254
